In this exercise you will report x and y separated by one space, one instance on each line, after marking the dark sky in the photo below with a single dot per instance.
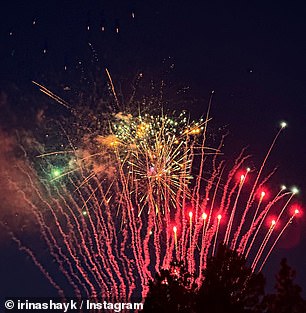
251 53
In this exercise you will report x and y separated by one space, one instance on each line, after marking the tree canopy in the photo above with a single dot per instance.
287 298
229 286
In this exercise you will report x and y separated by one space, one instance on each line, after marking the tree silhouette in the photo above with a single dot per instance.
288 297
229 286
172 291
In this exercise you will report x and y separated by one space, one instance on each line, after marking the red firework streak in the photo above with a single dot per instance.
169 198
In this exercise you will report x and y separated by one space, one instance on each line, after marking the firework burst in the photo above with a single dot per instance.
143 190
155 154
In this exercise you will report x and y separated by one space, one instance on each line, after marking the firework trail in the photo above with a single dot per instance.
140 191
257 223
251 196
296 212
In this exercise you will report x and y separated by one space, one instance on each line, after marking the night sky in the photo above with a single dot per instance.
253 55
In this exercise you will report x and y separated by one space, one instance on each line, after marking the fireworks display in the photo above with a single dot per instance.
145 188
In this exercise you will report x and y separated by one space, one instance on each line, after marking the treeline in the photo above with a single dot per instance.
228 285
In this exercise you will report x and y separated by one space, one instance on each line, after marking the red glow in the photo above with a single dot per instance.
242 175
188 210
262 193
271 221
296 210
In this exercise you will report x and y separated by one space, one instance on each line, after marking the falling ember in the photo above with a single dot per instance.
216 235
190 241
262 195
230 223
107 218
263 244
56 172
175 238
295 190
